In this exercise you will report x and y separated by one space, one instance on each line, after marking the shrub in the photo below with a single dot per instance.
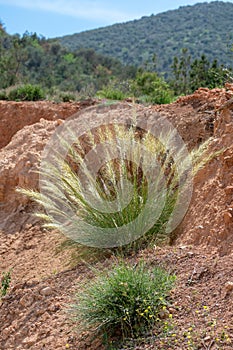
72 210
5 282
3 95
67 97
125 302
116 90
115 179
26 93
111 94
149 87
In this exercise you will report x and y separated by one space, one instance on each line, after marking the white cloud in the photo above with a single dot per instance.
93 10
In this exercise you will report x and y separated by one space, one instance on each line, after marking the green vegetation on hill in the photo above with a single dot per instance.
32 59
205 28
33 68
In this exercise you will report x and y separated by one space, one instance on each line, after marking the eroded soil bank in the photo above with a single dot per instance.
45 272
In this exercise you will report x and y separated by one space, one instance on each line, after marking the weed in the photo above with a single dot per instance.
125 302
5 282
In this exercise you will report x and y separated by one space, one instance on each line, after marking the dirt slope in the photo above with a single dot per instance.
45 274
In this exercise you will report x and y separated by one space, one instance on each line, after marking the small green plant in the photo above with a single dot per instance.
125 302
67 97
5 282
3 95
26 92
115 90
111 94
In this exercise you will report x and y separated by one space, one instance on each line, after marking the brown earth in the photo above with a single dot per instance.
46 271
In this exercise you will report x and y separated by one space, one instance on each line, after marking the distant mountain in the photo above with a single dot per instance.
204 28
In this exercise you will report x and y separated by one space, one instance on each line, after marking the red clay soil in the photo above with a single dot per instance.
15 115
46 270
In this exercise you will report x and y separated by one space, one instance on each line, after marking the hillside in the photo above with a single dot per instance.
32 59
205 28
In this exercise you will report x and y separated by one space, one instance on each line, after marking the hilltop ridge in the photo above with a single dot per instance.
204 28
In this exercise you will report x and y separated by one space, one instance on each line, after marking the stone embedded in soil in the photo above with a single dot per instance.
227 217
46 291
229 190
26 300
228 287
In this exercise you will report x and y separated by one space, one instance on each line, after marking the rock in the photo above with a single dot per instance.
228 287
46 291
190 254
207 338
227 217
228 190
39 311
26 300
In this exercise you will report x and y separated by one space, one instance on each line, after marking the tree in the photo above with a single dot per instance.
190 75
199 73
180 70
205 74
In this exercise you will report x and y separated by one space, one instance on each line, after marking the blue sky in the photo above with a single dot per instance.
53 18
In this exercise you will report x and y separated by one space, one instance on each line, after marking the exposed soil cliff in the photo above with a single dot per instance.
33 314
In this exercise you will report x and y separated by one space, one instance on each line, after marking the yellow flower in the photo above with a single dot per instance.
146 311
67 346
174 335
170 316
205 307
150 316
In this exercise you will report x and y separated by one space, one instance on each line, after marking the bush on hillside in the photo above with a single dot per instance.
125 302
26 92
149 87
